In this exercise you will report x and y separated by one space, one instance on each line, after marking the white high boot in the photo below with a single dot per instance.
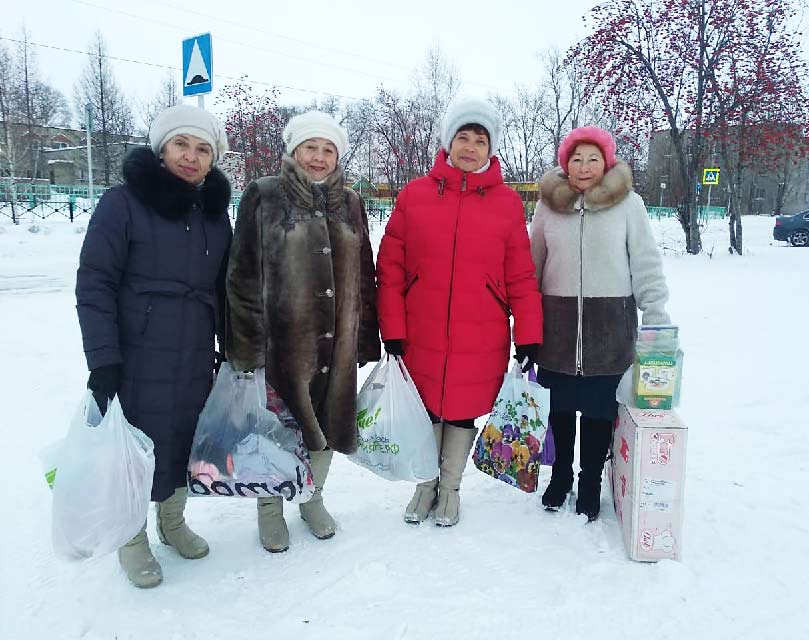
136 559
173 530
321 524
272 528
454 452
426 492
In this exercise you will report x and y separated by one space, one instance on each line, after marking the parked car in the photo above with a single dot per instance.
794 229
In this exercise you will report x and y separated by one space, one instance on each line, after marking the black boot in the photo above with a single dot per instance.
564 437
596 436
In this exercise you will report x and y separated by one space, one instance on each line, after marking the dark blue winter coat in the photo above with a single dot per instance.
150 296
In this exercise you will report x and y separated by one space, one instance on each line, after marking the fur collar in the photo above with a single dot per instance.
169 195
302 191
556 192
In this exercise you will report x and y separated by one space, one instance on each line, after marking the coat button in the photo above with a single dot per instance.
328 334
324 369
326 250
329 293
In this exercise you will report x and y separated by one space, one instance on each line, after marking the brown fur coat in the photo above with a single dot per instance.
302 295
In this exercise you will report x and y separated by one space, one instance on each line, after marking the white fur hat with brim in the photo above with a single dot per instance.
315 124
183 119
471 111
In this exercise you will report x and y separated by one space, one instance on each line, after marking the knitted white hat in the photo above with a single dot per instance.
471 111
315 124
192 121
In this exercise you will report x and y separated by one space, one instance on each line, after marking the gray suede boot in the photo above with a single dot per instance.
454 452
172 529
272 528
321 524
423 500
137 561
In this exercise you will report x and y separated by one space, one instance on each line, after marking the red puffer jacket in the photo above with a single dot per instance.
454 263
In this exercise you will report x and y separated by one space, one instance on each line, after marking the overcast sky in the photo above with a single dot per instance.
305 47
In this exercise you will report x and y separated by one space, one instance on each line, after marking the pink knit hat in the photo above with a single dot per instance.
594 135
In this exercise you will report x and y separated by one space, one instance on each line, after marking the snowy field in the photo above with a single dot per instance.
509 569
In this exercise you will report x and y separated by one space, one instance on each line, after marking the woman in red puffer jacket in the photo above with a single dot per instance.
453 266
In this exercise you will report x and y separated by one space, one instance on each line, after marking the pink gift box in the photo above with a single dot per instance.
647 474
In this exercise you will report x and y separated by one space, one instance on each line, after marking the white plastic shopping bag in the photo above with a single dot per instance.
396 438
104 482
248 444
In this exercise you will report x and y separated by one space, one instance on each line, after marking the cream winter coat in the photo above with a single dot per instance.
597 263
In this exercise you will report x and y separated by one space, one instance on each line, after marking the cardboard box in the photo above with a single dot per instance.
647 474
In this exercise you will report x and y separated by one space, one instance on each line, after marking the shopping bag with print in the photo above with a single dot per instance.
103 486
248 444
510 446
395 435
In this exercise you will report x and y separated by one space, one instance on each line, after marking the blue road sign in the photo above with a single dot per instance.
197 65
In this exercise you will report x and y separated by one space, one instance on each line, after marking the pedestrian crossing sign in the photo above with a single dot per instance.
197 65
710 176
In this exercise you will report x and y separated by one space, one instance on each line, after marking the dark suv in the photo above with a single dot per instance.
794 228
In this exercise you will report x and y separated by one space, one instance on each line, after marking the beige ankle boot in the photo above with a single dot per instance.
321 524
172 529
426 492
454 452
136 559
272 528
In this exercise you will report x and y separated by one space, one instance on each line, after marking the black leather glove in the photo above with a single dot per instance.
527 353
394 347
104 382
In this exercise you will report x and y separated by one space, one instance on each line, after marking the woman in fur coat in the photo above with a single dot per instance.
150 295
302 294
597 262
454 265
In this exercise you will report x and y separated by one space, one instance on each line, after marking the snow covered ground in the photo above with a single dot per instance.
509 569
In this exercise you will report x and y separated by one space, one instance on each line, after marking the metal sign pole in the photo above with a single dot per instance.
88 112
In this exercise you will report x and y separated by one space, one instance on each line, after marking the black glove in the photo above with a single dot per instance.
528 353
104 382
394 347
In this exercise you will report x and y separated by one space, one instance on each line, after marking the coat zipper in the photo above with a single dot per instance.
449 298
579 338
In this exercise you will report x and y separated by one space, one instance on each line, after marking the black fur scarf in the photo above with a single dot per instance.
169 195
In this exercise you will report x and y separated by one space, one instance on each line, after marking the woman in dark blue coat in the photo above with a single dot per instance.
150 298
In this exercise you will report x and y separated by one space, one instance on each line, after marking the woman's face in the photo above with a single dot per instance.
469 150
316 156
187 157
585 167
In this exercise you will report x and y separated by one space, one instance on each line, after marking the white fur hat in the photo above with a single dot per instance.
315 124
471 111
192 121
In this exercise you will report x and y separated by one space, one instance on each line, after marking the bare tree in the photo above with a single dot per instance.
111 115
564 98
9 142
167 96
522 145
436 83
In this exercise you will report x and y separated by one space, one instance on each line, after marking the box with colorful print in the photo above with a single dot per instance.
657 368
647 475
